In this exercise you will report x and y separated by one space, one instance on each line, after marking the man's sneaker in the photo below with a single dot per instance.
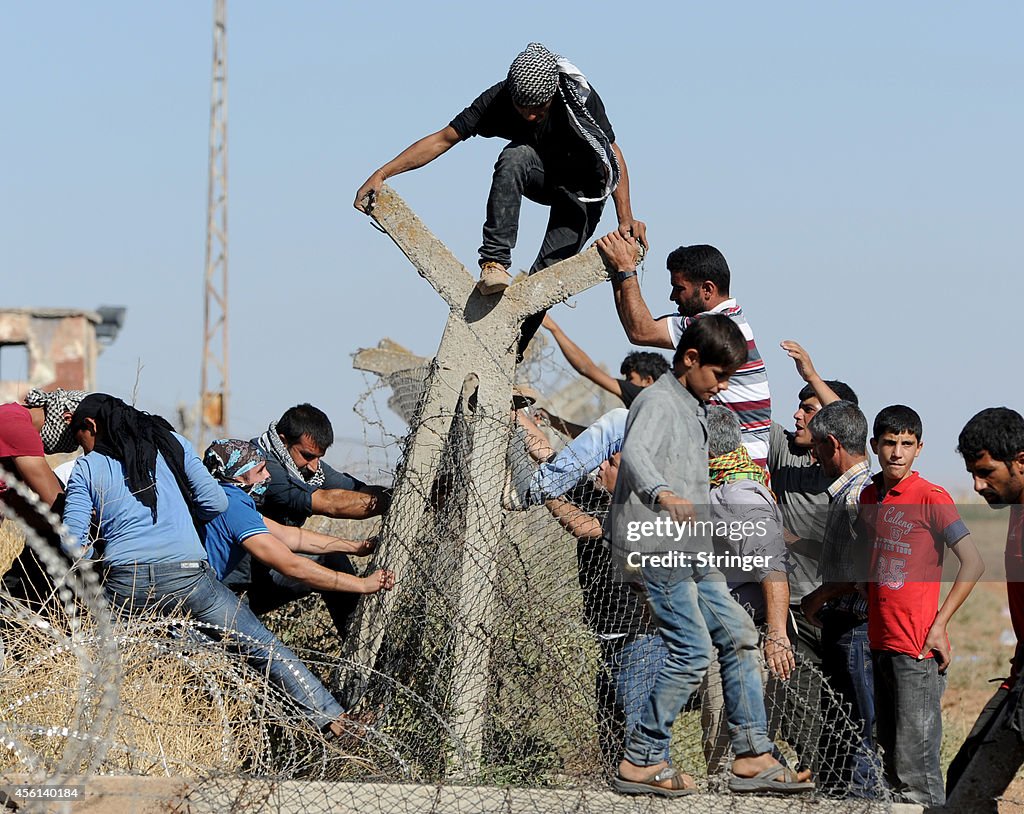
494 278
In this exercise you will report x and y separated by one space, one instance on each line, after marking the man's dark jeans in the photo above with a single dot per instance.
846 663
801 718
908 706
991 756
518 173
179 587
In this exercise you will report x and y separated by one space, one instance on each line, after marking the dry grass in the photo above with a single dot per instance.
181 707
184 705
12 541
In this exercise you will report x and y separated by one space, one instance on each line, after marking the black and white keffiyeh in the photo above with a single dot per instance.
272 444
533 76
56 432
536 75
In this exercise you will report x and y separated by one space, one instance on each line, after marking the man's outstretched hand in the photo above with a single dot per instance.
802 359
367 193
635 229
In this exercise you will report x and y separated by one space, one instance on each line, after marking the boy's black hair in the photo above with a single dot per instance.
996 430
644 363
717 339
700 263
305 419
841 389
897 418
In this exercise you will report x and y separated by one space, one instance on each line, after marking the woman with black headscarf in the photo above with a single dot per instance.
148 490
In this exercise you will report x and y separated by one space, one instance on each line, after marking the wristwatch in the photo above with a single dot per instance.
621 276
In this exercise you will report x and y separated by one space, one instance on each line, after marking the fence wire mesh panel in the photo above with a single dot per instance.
481 668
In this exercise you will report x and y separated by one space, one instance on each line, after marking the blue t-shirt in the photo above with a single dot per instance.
97 485
228 530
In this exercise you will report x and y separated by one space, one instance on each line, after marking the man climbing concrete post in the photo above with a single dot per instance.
561 153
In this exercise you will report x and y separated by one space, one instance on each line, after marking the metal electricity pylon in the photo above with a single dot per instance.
212 417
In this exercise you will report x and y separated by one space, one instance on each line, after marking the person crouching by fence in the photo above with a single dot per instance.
149 491
240 467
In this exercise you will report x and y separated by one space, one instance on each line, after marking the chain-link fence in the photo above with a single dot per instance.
483 668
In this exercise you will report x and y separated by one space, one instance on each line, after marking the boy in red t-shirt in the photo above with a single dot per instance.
910 523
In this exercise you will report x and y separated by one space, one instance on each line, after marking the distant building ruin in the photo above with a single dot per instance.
53 347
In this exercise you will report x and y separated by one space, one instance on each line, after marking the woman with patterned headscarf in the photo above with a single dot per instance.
148 490
561 154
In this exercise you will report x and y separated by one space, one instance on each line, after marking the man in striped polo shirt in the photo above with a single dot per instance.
700 286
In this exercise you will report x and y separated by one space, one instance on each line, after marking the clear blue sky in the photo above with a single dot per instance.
858 164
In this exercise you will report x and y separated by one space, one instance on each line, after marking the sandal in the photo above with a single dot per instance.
649 785
779 779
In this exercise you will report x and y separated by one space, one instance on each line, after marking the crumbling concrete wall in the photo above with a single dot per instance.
62 349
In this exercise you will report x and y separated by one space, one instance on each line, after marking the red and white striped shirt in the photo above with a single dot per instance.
748 395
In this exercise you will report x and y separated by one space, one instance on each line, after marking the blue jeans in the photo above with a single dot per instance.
519 172
846 663
631 666
190 587
712 706
694 610
585 453
908 704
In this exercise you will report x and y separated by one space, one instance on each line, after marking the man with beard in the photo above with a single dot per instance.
700 286
992 444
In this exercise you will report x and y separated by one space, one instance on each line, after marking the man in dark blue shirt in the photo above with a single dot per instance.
241 469
302 485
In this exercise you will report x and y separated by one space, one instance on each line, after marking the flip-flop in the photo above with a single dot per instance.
649 784
778 779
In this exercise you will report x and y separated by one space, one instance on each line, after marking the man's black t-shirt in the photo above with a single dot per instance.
568 160
628 391
610 606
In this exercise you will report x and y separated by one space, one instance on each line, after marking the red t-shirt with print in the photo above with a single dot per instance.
910 529
18 437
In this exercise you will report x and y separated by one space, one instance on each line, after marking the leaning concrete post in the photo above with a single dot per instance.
477 349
